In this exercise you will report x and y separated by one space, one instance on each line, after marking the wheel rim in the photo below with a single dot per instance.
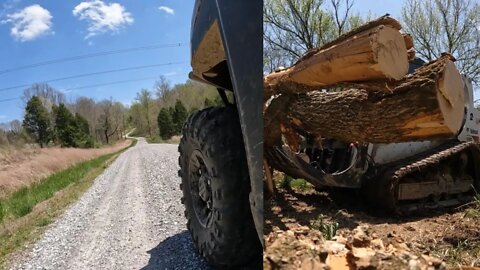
200 188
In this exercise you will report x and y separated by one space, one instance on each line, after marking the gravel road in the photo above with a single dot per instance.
131 218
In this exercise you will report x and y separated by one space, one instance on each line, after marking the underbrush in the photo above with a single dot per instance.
287 182
154 139
157 139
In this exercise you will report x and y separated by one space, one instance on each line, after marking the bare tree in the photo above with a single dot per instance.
47 94
15 126
118 115
341 15
451 26
144 97
11 133
107 124
274 58
293 27
88 109
162 88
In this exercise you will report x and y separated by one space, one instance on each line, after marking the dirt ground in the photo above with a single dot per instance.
451 235
20 168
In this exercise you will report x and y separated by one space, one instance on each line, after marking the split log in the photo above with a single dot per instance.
409 44
374 51
408 41
426 105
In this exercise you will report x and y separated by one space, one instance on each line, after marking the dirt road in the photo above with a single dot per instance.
131 218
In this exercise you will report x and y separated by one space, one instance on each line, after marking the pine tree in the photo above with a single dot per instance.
82 124
65 127
179 116
37 121
165 124
83 138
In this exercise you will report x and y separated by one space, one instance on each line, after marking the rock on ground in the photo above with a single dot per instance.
303 248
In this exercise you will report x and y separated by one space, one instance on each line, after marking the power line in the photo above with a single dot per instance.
96 85
110 83
92 74
91 55
9 99
116 82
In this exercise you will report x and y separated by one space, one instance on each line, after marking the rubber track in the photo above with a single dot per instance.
393 173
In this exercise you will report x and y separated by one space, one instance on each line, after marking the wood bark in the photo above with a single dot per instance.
375 51
426 105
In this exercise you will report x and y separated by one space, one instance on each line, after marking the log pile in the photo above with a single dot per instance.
376 50
377 101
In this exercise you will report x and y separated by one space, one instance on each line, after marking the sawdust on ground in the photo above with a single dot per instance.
19 168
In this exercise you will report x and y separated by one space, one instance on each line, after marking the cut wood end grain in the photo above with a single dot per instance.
377 53
451 96
392 57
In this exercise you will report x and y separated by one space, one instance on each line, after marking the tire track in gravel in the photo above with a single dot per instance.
130 218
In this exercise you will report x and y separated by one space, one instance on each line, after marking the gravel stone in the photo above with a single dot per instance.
130 218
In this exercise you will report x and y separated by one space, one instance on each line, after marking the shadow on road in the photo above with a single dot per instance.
175 252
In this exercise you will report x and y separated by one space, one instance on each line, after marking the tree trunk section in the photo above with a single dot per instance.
426 105
378 52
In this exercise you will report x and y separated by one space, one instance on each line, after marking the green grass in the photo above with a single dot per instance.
476 199
297 184
474 210
154 139
2 211
22 201
328 229
134 142
285 182
461 253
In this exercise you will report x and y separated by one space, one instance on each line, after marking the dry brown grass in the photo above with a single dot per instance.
19 168
174 139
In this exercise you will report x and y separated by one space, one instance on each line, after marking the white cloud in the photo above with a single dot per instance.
167 10
30 23
102 17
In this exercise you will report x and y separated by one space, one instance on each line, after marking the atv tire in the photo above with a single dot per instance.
216 185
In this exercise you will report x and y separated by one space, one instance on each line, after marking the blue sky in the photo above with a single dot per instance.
56 32
379 7
33 31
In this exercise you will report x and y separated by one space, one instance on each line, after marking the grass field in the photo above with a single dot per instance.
22 202
24 167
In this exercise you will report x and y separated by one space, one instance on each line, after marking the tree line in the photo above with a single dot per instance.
59 126
162 111
84 122
50 120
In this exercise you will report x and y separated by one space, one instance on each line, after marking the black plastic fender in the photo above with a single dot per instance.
241 29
